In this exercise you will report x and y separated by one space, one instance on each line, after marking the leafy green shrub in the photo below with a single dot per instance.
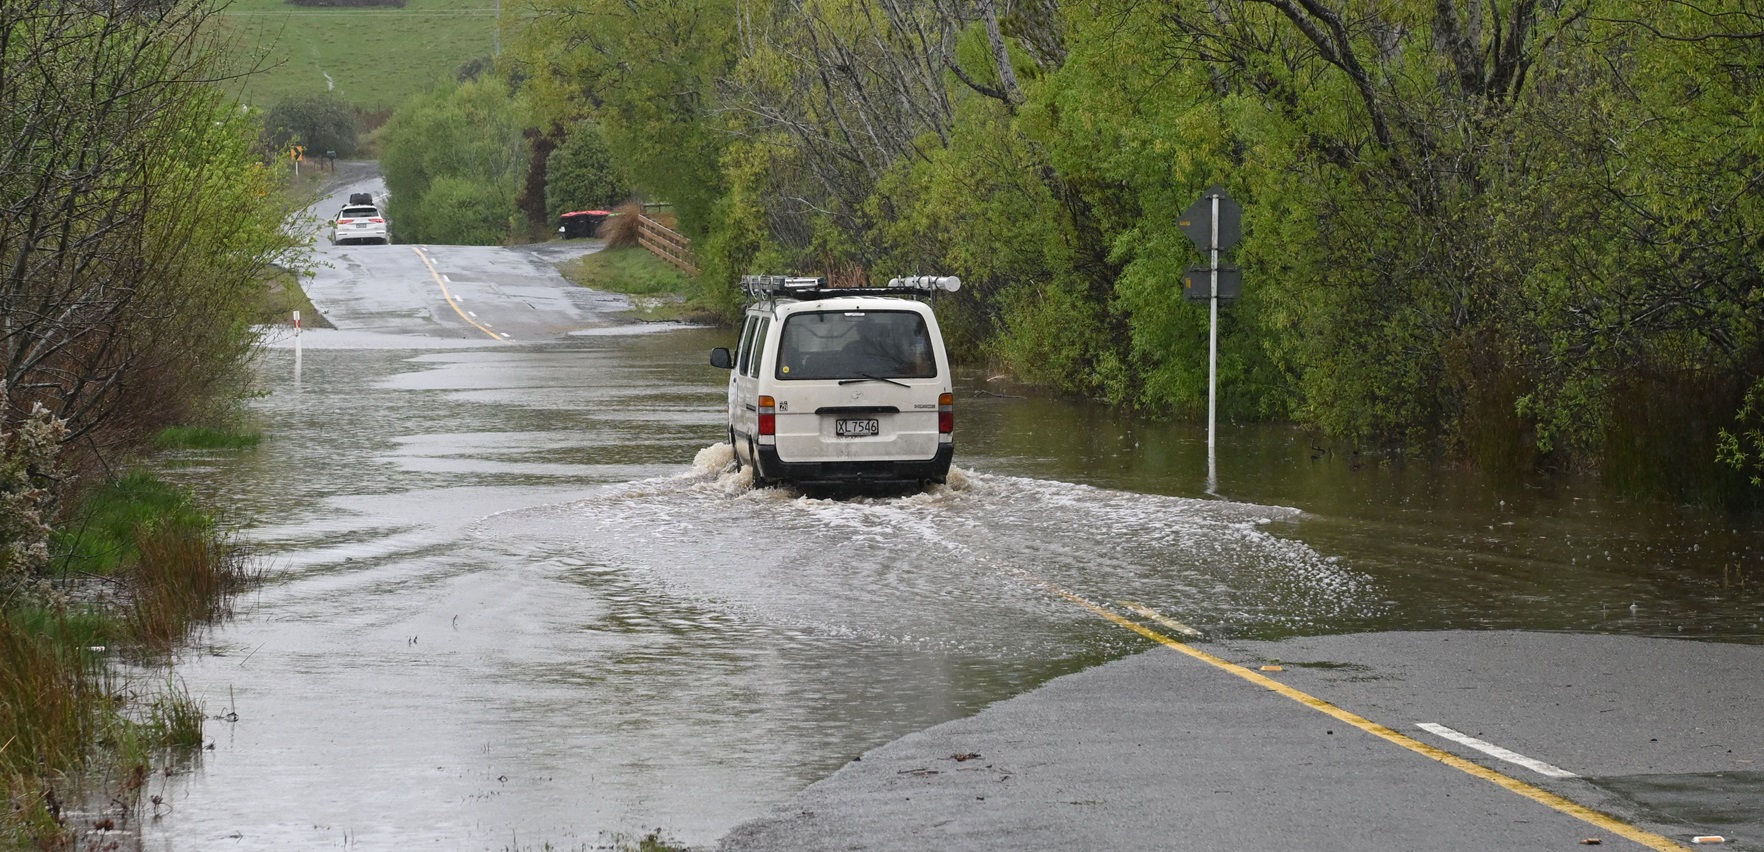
321 122
453 160
1742 447
580 176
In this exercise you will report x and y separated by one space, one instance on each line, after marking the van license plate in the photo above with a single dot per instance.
857 428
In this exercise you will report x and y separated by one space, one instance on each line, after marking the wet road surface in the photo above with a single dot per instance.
1633 742
520 599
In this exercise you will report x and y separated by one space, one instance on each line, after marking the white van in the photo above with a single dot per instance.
841 386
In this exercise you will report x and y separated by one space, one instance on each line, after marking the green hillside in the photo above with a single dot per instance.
376 58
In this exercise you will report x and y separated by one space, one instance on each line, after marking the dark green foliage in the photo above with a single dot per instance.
320 122
453 161
580 175
100 535
1484 231
1740 445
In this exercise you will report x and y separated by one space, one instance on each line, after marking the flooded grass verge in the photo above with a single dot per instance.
282 296
137 571
206 438
658 292
654 841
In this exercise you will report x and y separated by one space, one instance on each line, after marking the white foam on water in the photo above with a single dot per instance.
953 561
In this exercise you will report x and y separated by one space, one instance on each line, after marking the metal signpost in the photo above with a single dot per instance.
1214 223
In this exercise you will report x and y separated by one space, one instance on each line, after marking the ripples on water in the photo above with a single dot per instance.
956 567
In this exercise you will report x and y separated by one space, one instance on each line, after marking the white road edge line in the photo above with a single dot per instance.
1496 751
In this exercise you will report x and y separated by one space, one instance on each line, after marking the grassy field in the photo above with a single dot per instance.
376 58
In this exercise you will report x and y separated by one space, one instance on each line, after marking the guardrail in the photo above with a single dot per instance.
667 244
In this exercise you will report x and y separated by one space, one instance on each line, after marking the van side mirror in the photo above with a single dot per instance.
720 358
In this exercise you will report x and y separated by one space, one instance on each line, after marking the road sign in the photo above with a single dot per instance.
1197 221
1197 284
1214 223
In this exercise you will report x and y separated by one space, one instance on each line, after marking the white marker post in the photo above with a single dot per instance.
297 349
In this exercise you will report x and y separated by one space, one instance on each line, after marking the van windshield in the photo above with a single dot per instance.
854 345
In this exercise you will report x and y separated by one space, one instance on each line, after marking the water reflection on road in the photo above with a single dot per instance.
521 599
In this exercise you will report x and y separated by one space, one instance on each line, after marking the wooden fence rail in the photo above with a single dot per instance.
667 244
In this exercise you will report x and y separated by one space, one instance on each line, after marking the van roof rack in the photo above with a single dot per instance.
816 287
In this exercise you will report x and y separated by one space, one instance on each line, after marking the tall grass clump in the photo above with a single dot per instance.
169 566
47 706
206 438
99 536
620 229
175 719
184 576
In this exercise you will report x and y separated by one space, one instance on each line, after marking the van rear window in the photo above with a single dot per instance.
856 345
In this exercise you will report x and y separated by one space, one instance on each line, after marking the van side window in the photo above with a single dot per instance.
746 342
759 346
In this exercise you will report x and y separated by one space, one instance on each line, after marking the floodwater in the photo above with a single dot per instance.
519 598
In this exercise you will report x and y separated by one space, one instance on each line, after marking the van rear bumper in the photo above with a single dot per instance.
934 469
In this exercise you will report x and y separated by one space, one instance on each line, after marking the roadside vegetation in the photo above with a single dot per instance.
1516 236
658 292
140 219
1519 237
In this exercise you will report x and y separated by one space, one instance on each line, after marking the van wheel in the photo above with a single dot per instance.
732 451
753 455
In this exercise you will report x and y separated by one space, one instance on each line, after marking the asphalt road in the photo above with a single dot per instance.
1632 742
468 293
1661 739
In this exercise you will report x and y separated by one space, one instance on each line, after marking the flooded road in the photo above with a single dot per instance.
518 597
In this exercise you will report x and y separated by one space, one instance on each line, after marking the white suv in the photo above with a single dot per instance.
359 222
841 386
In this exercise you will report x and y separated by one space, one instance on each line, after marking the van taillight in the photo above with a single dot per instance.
768 416
946 413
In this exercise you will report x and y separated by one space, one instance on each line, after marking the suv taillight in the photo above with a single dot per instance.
946 414
376 220
768 416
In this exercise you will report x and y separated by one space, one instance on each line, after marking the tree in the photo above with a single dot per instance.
321 122
136 220
453 161
646 71
580 174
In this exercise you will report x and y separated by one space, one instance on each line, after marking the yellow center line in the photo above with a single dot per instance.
1536 794
1160 618
449 296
